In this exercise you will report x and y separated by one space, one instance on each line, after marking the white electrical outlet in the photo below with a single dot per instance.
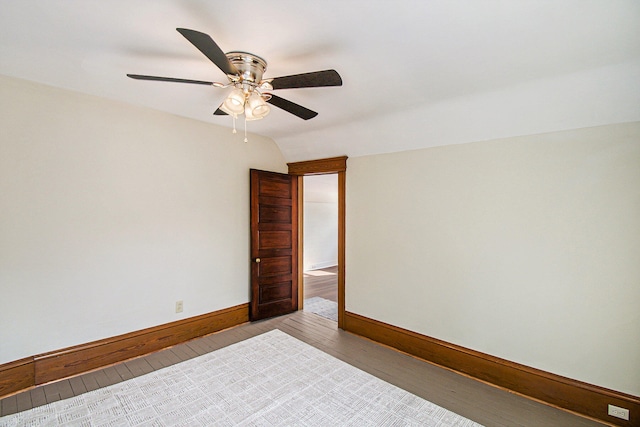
179 306
618 412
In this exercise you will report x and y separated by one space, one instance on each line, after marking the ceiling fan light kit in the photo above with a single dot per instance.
251 94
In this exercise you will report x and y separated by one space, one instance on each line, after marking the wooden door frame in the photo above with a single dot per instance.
337 165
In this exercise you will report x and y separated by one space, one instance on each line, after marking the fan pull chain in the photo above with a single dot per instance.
245 129
234 123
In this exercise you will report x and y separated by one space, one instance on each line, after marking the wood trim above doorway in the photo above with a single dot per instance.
322 167
319 167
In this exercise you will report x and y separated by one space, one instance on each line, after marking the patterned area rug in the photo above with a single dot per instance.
269 380
322 307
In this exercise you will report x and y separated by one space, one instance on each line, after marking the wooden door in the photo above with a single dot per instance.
274 241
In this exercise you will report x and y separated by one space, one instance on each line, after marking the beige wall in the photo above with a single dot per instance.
111 213
524 248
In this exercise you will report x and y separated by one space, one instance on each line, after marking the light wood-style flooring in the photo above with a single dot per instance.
322 283
480 402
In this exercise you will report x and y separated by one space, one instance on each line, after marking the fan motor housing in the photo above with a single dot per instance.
250 66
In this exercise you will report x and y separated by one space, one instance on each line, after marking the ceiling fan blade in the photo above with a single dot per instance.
206 45
219 112
292 107
313 79
168 79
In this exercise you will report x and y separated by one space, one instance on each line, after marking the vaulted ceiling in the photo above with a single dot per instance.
416 73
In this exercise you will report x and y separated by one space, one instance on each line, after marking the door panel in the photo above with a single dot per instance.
275 214
275 292
274 266
275 189
274 237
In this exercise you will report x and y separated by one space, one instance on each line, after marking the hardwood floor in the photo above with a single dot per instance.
322 283
480 402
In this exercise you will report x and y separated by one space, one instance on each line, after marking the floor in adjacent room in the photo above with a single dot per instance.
322 283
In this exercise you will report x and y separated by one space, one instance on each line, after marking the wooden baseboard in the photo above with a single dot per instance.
15 376
55 365
585 399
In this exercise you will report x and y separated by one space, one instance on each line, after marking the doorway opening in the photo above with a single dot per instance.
334 165
320 245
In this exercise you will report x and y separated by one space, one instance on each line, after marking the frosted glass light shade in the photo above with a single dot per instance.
248 115
257 108
234 102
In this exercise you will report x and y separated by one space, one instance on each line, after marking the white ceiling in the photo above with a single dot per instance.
416 73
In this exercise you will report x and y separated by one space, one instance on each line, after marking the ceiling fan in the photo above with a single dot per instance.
251 93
